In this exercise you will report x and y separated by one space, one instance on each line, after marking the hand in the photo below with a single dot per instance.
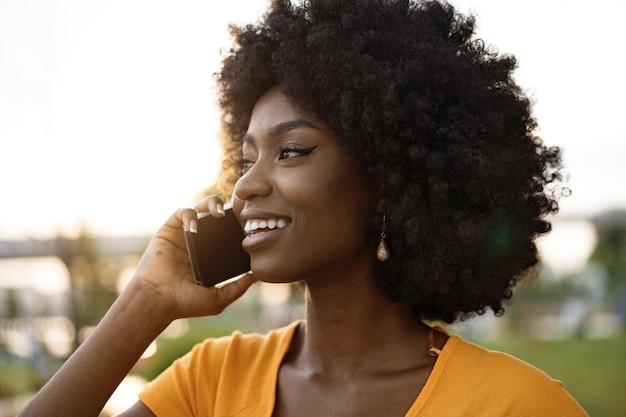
164 270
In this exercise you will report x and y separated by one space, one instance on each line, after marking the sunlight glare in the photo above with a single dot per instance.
125 395
46 275
568 247
272 294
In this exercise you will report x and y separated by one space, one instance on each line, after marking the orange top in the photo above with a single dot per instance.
237 375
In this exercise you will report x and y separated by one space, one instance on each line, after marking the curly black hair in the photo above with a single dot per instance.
433 114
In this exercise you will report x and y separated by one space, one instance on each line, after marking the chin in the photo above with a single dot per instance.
274 278
274 274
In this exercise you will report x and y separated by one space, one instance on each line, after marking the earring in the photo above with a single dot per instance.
382 252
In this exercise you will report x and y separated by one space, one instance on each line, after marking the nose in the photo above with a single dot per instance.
254 183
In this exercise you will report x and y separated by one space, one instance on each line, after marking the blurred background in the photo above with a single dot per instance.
107 121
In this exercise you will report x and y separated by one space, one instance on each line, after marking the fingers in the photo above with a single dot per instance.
182 218
211 204
202 301
165 266
230 292
188 218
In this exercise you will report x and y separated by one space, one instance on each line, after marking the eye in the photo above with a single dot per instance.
293 151
243 165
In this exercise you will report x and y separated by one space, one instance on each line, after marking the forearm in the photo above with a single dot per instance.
88 378
161 291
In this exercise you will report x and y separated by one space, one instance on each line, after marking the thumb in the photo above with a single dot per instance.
226 294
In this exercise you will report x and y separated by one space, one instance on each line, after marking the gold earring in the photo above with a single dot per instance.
382 252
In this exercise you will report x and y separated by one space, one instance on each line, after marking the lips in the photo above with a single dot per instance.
254 226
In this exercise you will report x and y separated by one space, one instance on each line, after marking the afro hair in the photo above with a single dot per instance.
434 115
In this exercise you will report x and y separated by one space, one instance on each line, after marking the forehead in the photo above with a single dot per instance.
274 108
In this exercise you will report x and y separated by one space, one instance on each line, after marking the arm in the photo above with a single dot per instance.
161 291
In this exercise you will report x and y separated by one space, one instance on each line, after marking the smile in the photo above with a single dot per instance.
259 225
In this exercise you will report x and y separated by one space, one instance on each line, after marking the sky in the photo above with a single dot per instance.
107 113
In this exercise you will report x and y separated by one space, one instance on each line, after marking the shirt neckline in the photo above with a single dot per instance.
434 377
420 400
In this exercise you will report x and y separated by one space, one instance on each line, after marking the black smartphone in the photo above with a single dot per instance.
215 251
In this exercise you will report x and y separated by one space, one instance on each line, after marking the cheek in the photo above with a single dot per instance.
348 197
336 192
313 188
335 187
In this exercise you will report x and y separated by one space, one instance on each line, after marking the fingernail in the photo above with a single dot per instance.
193 226
220 209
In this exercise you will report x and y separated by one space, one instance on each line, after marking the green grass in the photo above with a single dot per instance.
17 379
592 370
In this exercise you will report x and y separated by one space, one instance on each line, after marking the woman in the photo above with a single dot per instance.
401 159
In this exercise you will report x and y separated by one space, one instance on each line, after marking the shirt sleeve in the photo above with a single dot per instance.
468 380
229 376
176 391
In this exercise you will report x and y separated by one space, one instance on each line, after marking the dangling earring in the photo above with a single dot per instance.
382 252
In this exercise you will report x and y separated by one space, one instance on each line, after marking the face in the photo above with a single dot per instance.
305 203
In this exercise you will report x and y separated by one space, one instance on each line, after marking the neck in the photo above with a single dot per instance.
351 325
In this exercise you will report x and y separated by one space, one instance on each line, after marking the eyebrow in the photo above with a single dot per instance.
284 127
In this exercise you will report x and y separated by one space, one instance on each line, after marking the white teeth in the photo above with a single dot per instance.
256 224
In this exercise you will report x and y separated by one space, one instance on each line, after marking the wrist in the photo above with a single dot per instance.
144 303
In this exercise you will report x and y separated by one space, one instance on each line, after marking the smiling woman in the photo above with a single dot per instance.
350 125
294 171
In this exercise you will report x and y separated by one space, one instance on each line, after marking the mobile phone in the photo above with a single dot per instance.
215 251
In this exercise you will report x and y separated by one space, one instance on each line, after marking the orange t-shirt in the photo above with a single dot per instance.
237 375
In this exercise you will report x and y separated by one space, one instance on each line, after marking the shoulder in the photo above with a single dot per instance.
479 365
502 382
228 368
242 347
469 357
